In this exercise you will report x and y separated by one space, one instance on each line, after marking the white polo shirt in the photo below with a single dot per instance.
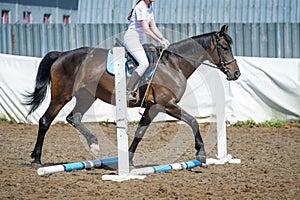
140 12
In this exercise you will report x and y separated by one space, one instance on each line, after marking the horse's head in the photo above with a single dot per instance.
222 54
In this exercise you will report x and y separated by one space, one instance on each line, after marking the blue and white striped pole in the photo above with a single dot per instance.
91 164
112 164
165 168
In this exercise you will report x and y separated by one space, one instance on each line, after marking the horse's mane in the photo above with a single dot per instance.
205 39
190 48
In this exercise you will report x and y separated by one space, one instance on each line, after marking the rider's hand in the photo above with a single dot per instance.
165 43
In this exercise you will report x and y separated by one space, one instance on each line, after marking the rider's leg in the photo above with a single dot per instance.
136 49
135 79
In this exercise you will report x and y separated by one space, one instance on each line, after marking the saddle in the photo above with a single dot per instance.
131 64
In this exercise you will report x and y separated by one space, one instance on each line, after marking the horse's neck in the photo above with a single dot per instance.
193 53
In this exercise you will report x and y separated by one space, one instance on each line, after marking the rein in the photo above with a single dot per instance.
148 86
221 66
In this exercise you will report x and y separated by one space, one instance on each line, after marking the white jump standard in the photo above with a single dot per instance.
121 119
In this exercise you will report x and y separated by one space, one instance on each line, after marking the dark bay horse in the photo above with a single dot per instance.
82 73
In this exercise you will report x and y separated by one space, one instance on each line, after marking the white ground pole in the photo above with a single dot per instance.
218 95
121 119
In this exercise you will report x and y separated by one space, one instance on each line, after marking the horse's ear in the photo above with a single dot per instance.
223 30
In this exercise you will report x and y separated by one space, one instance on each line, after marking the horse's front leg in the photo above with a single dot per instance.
174 110
139 134
145 121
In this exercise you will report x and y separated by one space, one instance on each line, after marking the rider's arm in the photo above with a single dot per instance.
149 32
155 30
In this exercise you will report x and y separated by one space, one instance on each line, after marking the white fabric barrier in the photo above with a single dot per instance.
268 89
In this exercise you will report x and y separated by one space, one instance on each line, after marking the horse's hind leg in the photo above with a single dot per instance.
145 121
84 100
44 124
174 110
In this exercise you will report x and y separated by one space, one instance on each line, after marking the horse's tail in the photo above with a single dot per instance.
42 81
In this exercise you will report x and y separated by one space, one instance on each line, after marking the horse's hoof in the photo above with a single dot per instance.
131 167
36 164
131 164
201 158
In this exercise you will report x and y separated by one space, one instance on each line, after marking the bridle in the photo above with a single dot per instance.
222 62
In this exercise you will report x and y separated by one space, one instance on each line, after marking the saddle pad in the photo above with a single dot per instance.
110 64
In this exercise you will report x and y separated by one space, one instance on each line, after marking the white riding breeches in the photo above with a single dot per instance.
133 44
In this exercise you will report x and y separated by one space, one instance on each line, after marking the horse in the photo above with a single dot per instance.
81 73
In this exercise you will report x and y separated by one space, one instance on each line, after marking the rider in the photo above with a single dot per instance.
141 22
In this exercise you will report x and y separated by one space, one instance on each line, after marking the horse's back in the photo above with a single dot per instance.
78 68
70 62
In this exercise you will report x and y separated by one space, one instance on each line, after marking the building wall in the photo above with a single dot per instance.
166 11
57 8
261 28
279 40
195 11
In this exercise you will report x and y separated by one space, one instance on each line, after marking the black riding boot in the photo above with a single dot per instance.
132 86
